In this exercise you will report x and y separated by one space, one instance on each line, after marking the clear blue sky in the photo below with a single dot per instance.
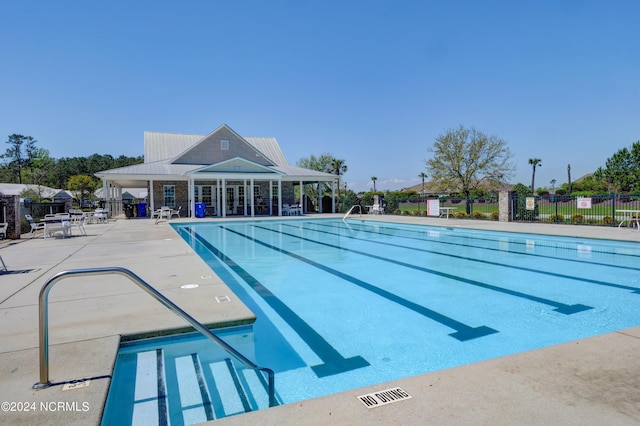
372 82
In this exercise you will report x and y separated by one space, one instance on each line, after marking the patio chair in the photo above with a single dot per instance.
35 226
165 212
77 221
60 222
175 213
100 215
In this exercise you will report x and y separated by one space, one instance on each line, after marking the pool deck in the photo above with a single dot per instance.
589 381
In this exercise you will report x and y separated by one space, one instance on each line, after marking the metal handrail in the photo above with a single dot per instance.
353 207
44 323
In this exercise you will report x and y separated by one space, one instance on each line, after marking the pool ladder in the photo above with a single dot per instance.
351 209
44 323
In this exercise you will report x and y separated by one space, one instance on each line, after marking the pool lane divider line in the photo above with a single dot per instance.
486 262
463 332
543 256
558 307
333 361
477 236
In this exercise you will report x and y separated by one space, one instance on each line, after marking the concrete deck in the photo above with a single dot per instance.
591 381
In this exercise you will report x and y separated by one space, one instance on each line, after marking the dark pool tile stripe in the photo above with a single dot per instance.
204 393
463 331
484 261
162 390
559 307
582 261
333 361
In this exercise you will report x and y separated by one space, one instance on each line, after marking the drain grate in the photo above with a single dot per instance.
223 299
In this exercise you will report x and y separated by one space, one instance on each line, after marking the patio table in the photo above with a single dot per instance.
630 216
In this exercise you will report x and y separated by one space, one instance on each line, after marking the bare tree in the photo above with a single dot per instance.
463 157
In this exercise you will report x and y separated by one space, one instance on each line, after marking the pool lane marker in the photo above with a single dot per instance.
626 268
635 290
333 361
558 307
463 331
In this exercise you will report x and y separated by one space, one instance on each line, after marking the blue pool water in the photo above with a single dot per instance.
345 305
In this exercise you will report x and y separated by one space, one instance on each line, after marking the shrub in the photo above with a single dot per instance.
495 215
556 217
477 215
461 215
606 220
396 212
405 212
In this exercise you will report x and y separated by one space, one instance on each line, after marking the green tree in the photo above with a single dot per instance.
82 186
19 155
622 169
338 167
522 192
321 163
534 162
463 157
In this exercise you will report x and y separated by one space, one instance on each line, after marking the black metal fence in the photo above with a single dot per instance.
601 209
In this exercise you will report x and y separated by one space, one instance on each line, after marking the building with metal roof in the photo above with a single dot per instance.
228 174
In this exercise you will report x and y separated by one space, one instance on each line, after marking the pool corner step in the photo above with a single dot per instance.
236 390
195 401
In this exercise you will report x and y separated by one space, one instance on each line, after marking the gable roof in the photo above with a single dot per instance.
17 188
164 146
179 155
209 149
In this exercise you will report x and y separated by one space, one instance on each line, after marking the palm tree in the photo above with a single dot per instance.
337 166
374 179
534 162
553 185
422 175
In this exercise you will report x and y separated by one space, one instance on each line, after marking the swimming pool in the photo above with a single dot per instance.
345 305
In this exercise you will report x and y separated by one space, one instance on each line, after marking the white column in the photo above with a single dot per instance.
333 196
218 197
152 206
192 201
252 201
301 197
224 198
246 199
279 196
270 197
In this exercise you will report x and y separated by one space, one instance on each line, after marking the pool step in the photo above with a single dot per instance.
150 391
195 401
237 391
212 390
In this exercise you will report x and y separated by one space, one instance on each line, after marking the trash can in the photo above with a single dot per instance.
128 211
199 209
142 209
